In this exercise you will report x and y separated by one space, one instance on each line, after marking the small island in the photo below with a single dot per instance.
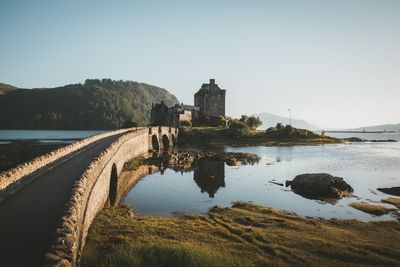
205 123
238 133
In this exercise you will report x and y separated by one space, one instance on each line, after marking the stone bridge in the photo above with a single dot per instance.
162 137
48 204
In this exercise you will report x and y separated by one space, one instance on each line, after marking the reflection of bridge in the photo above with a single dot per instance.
54 199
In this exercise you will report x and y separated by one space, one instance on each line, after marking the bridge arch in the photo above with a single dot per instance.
112 195
154 142
173 139
165 141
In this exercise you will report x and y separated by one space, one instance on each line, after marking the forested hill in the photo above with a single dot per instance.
96 104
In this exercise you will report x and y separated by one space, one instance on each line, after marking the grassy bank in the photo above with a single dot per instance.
243 235
222 136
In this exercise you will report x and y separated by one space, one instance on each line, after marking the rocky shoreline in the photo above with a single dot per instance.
359 140
327 188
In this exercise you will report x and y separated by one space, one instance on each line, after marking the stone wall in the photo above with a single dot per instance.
91 193
128 179
14 179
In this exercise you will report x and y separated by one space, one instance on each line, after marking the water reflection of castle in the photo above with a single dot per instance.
210 176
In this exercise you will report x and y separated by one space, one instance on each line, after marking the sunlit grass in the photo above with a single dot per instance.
243 235
371 209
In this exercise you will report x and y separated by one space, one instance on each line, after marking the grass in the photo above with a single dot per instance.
220 136
242 235
371 209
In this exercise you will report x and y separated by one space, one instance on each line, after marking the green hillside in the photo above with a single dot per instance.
6 88
96 104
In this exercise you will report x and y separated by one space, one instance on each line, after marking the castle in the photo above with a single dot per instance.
209 101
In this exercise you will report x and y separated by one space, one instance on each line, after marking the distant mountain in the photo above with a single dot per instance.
270 120
96 104
6 88
383 127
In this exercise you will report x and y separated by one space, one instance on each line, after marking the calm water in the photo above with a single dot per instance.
44 136
365 166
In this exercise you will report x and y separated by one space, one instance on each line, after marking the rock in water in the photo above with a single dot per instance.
320 185
394 191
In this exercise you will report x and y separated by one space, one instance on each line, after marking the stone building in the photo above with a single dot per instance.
210 99
179 113
161 114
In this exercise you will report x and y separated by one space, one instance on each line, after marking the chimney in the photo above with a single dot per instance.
212 81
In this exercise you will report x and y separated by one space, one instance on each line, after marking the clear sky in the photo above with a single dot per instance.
335 63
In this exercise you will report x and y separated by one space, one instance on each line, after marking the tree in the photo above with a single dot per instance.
288 130
270 130
253 122
243 118
279 126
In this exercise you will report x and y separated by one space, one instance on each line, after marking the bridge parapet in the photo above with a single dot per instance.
95 188
14 179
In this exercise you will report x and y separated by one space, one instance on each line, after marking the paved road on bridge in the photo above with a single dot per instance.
29 218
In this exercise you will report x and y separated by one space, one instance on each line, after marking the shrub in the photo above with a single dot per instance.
130 124
271 130
288 130
186 123
213 121
238 129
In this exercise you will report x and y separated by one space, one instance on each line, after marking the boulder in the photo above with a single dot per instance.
354 139
320 186
394 191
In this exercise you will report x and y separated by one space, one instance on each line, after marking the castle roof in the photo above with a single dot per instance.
210 88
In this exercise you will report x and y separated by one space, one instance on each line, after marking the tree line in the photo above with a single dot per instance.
96 104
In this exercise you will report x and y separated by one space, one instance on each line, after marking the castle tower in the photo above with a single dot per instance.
210 99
